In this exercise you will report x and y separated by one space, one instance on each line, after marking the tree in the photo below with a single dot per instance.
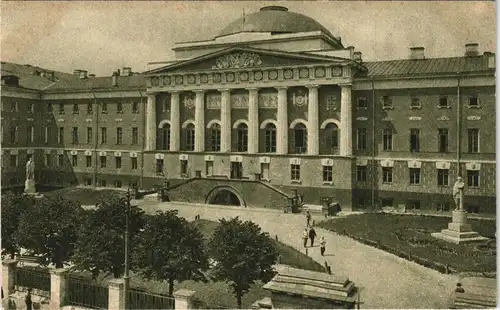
243 254
101 244
50 228
13 207
171 249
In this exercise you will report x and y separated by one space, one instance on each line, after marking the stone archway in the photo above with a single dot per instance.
225 195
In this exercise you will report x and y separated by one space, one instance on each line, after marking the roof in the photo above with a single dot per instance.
98 83
428 66
31 76
274 19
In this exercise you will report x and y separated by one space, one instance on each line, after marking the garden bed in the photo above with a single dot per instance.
410 237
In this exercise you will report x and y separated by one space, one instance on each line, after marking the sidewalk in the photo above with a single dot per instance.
387 280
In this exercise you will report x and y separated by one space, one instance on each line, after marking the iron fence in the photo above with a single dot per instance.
86 293
36 279
138 299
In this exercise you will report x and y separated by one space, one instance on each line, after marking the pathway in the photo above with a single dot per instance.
387 281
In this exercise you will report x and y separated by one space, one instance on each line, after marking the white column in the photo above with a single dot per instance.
253 120
346 121
282 130
175 118
225 121
199 120
8 276
184 299
116 296
151 122
58 287
312 121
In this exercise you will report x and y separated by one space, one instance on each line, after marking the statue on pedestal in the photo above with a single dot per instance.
458 190
30 170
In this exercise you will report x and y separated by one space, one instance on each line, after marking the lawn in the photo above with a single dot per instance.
85 196
408 235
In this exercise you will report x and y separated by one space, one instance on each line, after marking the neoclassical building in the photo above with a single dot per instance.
272 104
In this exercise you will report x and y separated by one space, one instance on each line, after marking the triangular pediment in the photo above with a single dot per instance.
246 58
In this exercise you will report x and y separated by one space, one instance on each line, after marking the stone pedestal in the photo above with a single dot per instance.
459 231
29 187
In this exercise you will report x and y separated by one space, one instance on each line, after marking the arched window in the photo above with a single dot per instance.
215 137
300 135
190 137
242 138
270 138
332 138
164 137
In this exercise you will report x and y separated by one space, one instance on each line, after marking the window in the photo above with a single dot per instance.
159 166
215 137
184 167
443 177
415 176
361 173
90 109
60 137
102 183
362 103
13 161
48 160
164 137
387 102
165 107
415 103
119 136
327 173
74 135
387 202
118 162
443 140
118 183
31 134
387 139
119 108
50 108
473 101
60 160
75 108
473 178
473 140
14 134
361 139
46 134
387 175
104 107
472 209
242 138
74 160
88 182
442 207
31 108
190 137
135 107
89 135
270 138
413 204
300 135
443 102
414 140
102 159
332 138
61 108
133 163
88 161
209 168
135 135
13 106
104 135
295 172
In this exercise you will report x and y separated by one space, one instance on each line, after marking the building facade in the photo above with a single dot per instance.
275 102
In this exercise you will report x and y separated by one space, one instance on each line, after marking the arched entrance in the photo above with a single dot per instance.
225 195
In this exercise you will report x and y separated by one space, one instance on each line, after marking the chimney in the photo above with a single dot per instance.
491 59
357 56
114 78
83 74
471 49
76 72
127 71
91 75
417 53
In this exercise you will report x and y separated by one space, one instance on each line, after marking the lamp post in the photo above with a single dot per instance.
126 277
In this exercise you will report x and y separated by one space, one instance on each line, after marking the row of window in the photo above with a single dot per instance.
104 183
413 204
415 102
74 161
14 107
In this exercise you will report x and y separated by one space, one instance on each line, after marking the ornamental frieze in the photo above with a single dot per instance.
239 101
213 101
268 101
238 60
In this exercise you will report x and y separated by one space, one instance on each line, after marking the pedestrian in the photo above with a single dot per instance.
322 246
312 235
308 216
305 236
27 299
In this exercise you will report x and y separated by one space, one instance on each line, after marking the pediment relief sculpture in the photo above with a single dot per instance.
238 60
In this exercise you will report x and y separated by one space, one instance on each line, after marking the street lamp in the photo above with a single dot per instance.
126 276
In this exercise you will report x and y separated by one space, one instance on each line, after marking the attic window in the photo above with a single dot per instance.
415 103
387 103
473 101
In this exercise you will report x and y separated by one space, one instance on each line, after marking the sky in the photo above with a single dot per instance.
101 36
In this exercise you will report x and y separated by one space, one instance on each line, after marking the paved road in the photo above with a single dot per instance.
387 280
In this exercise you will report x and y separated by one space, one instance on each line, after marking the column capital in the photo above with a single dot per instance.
224 90
345 84
174 91
151 93
313 86
59 271
199 91
252 88
281 87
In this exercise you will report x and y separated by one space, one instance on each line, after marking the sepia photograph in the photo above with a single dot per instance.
248 155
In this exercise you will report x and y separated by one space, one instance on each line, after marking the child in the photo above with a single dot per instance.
305 236
323 246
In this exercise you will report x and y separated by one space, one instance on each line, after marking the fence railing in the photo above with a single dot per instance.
85 293
35 279
138 299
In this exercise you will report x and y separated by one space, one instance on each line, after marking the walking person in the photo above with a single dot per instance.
305 236
322 246
312 235
27 300
308 217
